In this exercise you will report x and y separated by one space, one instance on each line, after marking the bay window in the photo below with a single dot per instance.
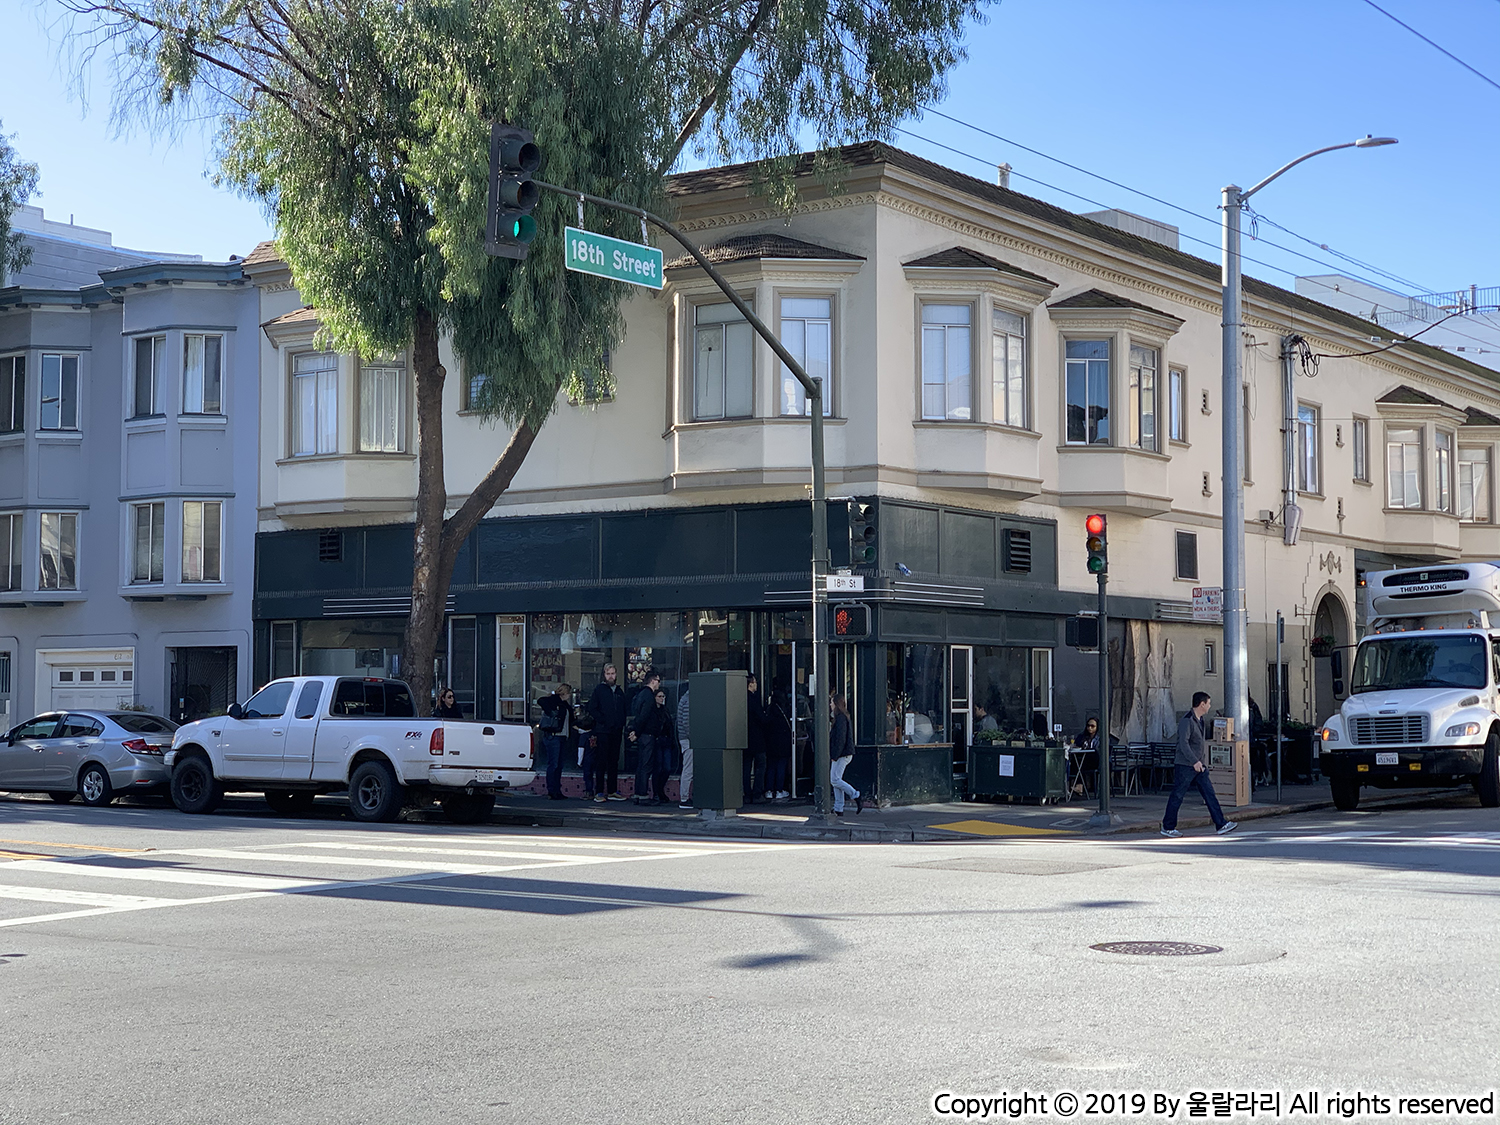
1474 483
382 414
1008 380
1087 379
947 363
1443 484
150 541
202 552
59 392
1143 363
150 376
12 394
723 363
315 403
807 332
59 551
1403 454
203 374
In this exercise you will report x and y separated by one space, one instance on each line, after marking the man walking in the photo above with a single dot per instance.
1190 770
607 708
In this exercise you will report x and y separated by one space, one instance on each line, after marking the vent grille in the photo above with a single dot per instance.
1390 730
1017 548
330 546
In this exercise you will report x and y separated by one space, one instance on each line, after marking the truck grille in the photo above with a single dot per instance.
1389 730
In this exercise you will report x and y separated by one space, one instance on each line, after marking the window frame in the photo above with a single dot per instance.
13 382
1000 385
1488 489
1109 341
1178 538
1406 471
202 544
1177 399
1210 659
1137 399
61 516
155 558
155 385
392 432
1359 437
1309 449
783 373
63 400
971 304
695 331
1444 471
321 426
188 378
12 550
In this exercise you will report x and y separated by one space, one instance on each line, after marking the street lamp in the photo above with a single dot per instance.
1236 658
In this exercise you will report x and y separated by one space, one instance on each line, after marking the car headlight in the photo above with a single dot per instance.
1461 730
1328 734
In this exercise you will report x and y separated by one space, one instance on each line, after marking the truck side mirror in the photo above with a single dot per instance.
1336 664
236 711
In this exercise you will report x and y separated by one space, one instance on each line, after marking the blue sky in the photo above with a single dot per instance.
1175 98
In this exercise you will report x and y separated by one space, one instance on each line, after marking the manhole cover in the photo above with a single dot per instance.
1157 948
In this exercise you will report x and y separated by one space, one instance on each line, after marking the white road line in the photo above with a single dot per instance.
76 898
363 861
434 852
158 875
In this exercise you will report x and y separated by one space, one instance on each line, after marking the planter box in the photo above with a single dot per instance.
1035 772
903 775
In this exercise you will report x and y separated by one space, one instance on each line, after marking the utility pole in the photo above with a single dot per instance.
822 783
1102 817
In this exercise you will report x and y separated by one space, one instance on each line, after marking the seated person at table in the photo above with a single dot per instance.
1086 743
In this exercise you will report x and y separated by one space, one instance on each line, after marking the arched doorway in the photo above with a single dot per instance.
1330 656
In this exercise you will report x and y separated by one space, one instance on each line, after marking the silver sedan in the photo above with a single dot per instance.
96 755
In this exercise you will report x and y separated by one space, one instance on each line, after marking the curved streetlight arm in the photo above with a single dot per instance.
1244 195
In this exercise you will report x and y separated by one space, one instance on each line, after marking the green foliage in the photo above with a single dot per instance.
17 184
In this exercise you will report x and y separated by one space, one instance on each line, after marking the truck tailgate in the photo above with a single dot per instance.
491 746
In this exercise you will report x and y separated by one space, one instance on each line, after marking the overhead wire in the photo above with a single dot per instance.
1437 46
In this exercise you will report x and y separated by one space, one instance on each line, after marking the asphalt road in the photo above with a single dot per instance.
244 968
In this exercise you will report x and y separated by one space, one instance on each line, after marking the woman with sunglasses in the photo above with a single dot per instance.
447 706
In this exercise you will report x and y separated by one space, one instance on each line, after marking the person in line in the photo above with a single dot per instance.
754 766
840 754
607 708
778 738
1190 770
557 732
447 706
587 749
663 742
685 780
639 735
1086 742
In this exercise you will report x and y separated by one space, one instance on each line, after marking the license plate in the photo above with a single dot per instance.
1387 759
484 775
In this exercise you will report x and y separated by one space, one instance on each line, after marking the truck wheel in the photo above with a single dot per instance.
290 802
1489 773
194 789
374 792
94 786
1345 793
468 808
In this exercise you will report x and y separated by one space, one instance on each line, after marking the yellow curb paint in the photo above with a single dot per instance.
994 828
79 847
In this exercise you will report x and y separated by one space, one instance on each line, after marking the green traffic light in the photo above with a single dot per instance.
1096 564
523 228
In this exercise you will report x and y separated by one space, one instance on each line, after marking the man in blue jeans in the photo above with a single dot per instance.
557 733
1190 770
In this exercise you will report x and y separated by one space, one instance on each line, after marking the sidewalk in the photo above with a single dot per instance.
908 823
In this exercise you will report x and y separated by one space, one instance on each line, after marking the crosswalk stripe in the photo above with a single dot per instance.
366 861
75 898
66 868
436 852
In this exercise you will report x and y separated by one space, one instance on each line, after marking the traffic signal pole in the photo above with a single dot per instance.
1102 817
814 391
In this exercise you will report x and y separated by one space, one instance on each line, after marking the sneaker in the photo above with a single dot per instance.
599 798
616 796
784 795
1227 827
1172 832
684 804
770 796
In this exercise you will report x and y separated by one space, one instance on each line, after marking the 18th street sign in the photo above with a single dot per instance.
613 258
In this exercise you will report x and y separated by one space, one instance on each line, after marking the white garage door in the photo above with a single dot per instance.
91 686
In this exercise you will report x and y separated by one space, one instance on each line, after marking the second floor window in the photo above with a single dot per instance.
807 332
473 388
59 553
150 375
10 550
947 348
1403 454
382 414
1474 483
59 392
150 546
202 542
1360 434
1087 378
203 375
315 403
12 394
723 363
1307 449
1177 404
1143 363
1443 485
1008 348
1187 555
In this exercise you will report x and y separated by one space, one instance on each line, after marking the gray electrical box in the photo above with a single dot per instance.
717 710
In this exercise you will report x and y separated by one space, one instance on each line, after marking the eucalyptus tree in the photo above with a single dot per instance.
362 125
17 183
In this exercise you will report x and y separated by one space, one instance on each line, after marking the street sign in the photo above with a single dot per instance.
1208 604
846 583
614 258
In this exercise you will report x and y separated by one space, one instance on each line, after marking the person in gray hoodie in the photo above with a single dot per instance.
1190 769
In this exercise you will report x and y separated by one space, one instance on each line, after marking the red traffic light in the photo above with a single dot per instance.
1094 525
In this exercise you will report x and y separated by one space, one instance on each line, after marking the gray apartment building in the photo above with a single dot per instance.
128 427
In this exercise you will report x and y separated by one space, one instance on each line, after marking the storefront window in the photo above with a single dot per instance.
723 640
1002 687
511 634
916 711
574 648
353 647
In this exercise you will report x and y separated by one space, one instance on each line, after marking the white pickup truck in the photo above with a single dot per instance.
306 735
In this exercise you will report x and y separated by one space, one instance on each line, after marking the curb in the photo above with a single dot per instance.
1260 812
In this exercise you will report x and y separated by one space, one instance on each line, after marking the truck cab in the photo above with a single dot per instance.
1424 694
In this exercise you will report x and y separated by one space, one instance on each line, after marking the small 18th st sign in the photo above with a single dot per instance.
613 258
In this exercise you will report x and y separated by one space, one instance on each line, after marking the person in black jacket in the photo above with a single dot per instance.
607 708
639 734
753 778
663 730
840 754
778 739
557 732
447 706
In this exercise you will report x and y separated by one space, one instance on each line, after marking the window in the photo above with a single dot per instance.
594 384
1307 449
1210 663
59 392
1143 363
723 363
315 403
947 348
382 408
1016 544
1474 483
1177 404
10 550
150 542
12 394
59 551
307 700
1187 555
1008 351
473 388
1087 377
270 701
150 374
1360 432
201 540
203 375
1443 485
1403 453
807 332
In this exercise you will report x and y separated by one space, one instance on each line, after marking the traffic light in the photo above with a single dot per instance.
1082 633
509 227
1097 544
850 622
862 533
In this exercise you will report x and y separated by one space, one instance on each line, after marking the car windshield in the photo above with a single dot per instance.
137 722
1420 662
